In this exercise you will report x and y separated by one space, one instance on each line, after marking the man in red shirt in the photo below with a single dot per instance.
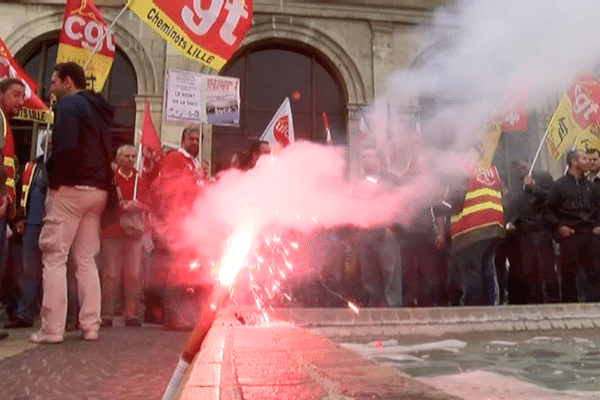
180 181
185 159
122 252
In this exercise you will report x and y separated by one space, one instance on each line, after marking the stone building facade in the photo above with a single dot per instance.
360 43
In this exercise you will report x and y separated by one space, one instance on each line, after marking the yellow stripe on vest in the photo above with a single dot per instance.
488 205
483 192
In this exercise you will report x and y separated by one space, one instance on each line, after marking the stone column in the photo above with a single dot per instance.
382 43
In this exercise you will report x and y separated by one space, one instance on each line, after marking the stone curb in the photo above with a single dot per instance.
371 322
285 361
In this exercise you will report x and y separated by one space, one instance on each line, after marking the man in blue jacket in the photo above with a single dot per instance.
79 178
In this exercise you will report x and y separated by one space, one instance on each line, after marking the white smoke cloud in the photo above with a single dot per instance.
539 45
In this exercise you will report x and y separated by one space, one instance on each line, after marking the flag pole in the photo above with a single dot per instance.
99 43
537 153
137 167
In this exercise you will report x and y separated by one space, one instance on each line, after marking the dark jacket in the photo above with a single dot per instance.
572 202
82 125
525 208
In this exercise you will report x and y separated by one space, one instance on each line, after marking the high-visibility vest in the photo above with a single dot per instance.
8 153
483 203
26 179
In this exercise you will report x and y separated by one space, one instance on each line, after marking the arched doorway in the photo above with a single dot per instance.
269 72
38 58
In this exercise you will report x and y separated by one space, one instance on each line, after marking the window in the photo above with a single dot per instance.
38 59
269 73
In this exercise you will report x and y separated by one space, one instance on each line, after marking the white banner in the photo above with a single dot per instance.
212 99
222 100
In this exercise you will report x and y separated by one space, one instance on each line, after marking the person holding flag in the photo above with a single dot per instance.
121 248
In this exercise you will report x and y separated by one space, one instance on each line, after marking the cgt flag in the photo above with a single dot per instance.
280 130
151 149
576 117
208 32
34 108
82 28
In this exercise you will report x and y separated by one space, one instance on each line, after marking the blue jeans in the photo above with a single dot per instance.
380 267
30 280
3 247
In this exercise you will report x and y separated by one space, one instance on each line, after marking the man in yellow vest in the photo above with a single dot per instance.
12 97
476 228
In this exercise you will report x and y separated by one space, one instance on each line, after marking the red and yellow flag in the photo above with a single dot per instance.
83 28
34 108
208 32
576 118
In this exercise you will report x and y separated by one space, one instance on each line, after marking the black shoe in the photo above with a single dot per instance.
3 335
106 323
18 323
133 322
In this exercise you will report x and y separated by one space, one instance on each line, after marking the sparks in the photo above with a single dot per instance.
238 246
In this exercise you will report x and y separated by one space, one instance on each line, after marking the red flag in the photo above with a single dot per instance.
327 130
34 108
514 109
151 149
82 28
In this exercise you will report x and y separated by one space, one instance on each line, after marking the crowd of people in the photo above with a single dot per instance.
480 244
69 257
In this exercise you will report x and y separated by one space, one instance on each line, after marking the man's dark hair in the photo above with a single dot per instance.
572 155
255 147
8 82
592 151
73 71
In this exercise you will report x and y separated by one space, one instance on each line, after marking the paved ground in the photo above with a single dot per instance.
283 361
125 363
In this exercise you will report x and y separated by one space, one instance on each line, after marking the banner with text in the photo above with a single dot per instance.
34 108
576 117
202 98
208 32
82 28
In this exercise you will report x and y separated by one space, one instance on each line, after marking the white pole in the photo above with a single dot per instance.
537 153
137 167
104 36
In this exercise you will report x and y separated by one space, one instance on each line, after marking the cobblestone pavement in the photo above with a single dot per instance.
125 363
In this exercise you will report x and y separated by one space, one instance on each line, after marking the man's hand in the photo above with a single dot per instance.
596 230
510 226
20 226
440 241
564 231
131 205
3 205
529 182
